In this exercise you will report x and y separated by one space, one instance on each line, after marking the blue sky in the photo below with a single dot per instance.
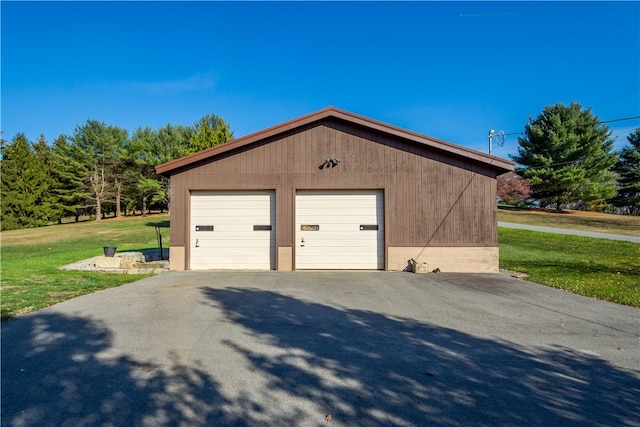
451 70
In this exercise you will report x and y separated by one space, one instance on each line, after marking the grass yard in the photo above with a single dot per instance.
599 268
578 220
29 275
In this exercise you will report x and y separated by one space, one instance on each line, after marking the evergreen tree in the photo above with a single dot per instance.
628 169
69 193
24 185
152 148
98 147
567 154
44 158
144 147
125 176
150 190
96 169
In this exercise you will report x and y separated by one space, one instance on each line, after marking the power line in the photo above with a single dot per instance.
620 120
517 170
503 134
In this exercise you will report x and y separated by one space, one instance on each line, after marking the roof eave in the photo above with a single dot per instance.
166 169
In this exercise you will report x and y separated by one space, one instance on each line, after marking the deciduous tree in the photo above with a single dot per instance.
209 131
512 188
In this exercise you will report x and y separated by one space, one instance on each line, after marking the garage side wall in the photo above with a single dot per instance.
432 199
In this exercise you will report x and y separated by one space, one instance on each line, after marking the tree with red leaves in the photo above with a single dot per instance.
513 189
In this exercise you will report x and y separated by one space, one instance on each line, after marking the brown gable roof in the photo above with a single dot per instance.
498 163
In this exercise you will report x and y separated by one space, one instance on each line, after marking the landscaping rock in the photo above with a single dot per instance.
107 262
131 257
144 262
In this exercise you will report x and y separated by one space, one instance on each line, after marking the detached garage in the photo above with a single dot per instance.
334 190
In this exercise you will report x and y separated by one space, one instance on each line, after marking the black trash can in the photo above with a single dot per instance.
109 251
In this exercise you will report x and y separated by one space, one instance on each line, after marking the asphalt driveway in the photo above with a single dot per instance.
289 349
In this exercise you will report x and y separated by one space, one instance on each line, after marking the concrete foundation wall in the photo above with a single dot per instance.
285 258
447 259
176 258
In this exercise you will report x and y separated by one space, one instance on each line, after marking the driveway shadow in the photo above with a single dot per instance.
53 375
368 369
287 355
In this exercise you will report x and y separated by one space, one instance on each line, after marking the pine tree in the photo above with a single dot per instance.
151 148
628 169
24 185
44 157
97 146
69 194
567 153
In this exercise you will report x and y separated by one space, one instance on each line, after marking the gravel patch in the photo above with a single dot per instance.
150 255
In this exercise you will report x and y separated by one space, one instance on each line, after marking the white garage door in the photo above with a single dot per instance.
339 230
232 230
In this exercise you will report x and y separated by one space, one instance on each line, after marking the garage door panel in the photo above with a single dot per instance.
249 210
338 242
247 219
352 253
233 243
236 256
338 265
220 228
228 196
318 248
229 242
228 247
354 205
338 229
330 219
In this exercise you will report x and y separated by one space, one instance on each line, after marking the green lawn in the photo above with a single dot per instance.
30 277
598 268
588 221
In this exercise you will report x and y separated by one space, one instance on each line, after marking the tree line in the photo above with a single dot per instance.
566 160
99 169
